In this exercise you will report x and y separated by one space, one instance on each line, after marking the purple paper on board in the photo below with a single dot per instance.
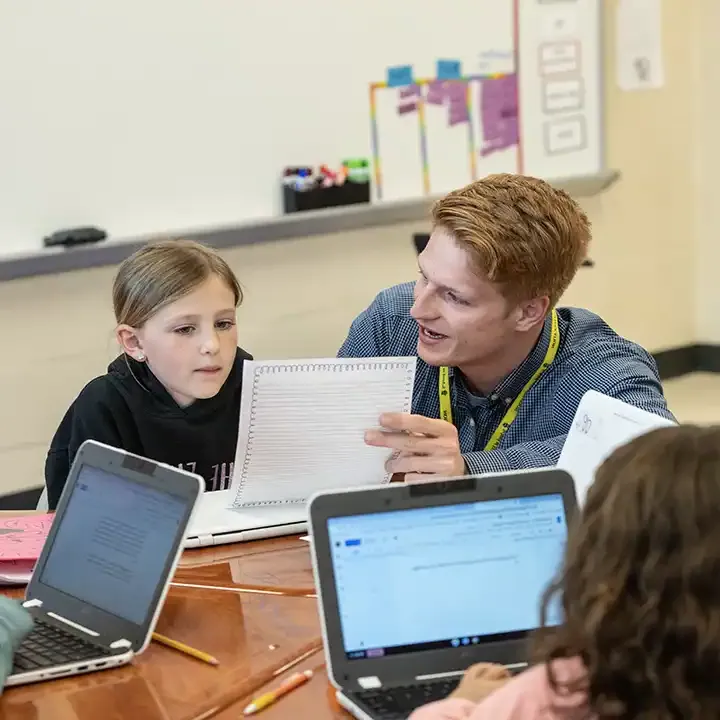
410 91
457 103
435 93
456 90
458 114
499 113
405 108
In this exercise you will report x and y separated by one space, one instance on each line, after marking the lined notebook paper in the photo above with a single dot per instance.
302 425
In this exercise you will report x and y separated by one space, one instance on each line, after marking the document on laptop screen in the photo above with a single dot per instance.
440 577
113 544
302 425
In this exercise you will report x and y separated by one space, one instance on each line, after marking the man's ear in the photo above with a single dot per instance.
532 313
129 341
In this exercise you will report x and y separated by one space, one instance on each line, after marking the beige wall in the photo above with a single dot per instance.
302 294
706 146
644 245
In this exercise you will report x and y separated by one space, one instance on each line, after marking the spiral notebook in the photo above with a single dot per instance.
302 425
21 541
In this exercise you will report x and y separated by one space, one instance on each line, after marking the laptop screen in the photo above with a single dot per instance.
431 578
113 544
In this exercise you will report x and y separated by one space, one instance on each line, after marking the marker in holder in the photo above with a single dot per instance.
307 188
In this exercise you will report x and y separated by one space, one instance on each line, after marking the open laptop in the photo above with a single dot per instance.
101 579
217 523
601 425
418 582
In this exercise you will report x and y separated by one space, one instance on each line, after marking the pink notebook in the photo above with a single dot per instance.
23 537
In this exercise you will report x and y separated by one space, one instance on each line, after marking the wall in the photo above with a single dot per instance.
706 142
643 227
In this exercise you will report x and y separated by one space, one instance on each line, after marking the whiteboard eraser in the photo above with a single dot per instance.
75 236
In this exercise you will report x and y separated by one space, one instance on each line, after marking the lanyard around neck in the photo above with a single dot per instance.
512 411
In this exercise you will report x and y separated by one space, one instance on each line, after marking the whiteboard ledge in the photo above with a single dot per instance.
321 222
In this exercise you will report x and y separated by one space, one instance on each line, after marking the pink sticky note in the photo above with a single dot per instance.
23 537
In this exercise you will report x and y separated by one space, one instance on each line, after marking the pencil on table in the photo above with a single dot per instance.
181 647
285 687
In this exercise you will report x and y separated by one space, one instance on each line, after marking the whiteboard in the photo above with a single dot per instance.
150 116
601 425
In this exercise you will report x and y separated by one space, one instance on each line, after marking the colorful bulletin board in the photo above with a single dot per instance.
491 123
521 104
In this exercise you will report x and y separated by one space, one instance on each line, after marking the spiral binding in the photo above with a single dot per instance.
325 367
265 503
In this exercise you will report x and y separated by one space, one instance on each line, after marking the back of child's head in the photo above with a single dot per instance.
161 273
640 585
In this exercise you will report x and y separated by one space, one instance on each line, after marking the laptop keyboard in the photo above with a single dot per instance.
397 703
47 646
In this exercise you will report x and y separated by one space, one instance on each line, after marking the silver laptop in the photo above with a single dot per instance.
601 424
217 523
101 579
418 582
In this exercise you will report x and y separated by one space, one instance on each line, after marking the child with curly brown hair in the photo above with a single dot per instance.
640 591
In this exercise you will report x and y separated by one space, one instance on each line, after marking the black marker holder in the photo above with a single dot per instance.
349 193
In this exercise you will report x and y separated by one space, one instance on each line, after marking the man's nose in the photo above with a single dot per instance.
424 306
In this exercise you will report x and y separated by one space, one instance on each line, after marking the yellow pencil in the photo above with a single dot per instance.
181 647
294 681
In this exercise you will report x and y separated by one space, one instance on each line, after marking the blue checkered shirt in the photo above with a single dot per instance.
590 357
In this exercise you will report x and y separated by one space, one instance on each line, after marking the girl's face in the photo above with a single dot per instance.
190 345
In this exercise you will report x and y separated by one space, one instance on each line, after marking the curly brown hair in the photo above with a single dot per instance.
640 585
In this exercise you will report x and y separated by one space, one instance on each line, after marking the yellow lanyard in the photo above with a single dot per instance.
512 411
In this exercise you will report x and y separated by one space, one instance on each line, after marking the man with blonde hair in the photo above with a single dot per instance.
501 370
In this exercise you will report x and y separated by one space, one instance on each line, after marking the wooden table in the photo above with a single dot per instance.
271 625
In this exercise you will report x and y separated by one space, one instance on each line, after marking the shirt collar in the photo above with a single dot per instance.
511 386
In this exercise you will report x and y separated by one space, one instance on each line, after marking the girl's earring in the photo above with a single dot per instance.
141 357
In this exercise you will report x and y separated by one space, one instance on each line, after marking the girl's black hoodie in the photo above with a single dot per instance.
129 408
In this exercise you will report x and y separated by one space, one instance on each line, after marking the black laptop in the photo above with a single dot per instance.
418 582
